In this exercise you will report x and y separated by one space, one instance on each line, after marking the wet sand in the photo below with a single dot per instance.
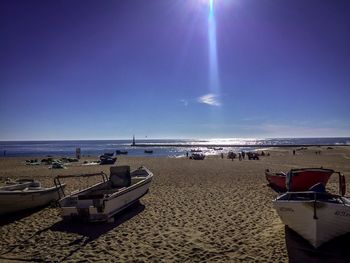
215 210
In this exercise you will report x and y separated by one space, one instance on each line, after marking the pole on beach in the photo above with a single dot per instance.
77 153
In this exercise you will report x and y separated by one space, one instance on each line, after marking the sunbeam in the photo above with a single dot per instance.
214 81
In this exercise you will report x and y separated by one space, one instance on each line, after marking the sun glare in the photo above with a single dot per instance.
214 82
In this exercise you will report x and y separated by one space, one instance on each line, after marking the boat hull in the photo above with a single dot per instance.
317 222
302 179
16 201
102 207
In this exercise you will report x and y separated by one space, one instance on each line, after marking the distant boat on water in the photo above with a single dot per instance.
118 152
148 151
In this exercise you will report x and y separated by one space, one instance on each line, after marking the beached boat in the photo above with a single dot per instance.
103 200
106 159
298 179
231 155
25 194
197 156
316 215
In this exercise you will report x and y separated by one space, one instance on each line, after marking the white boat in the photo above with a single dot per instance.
25 194
316 215
103 200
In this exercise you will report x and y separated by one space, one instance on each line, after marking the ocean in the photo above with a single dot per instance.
98 147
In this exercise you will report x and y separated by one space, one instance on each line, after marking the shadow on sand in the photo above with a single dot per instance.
88 231
8 219
94 230
334 251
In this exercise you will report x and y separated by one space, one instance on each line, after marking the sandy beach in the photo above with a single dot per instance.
215 210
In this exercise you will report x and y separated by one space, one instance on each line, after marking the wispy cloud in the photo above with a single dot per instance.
209 99
184 102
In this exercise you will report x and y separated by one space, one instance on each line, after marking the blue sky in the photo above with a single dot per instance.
165 69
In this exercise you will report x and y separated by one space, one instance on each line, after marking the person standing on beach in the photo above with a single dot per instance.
293 152
243 154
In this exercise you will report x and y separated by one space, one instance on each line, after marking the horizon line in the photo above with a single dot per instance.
189 139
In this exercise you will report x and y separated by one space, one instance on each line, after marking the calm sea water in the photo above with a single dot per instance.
98 147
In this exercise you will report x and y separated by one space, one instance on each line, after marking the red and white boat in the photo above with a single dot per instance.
316 215
298 179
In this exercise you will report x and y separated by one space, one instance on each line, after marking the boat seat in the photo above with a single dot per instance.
120 176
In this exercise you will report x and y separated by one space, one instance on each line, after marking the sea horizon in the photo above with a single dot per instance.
182 139
160 147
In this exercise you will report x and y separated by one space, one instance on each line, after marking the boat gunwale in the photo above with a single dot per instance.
297 170
125 190
31 191
315 199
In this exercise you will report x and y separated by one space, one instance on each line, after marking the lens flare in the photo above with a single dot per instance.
213 58
211 7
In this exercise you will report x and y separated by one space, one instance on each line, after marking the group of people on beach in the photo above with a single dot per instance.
241 155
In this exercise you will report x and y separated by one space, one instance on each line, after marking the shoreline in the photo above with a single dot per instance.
208 152
240 145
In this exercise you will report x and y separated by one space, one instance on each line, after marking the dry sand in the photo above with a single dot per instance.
196 211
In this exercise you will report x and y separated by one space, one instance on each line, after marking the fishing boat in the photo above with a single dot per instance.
103 200
316 215
25 194
218 148
106 159
298 179
231 155
197 156
118 152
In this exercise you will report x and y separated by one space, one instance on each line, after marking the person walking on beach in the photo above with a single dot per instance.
243 154
187 154
293 152
240 156
222 156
